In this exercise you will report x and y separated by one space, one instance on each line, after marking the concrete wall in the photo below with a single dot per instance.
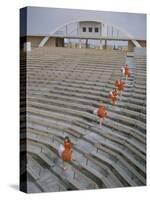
104 29
130 46
59 42
55 42
139 51
35 40
88 25
51 42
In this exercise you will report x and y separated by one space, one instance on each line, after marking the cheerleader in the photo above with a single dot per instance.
65 151
101 113
113 96
120 85
126 72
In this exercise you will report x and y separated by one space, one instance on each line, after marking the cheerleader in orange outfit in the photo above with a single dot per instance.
66 154
119 84
101 113
126 72
113 96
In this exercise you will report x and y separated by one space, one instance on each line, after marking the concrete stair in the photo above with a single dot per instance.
64 87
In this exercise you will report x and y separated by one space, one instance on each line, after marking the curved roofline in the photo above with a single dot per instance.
89 20
45 39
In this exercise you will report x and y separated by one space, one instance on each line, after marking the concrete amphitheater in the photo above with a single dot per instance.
64 86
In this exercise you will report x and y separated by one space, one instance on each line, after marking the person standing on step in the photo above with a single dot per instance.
113 96
126 72
119 84
67 152
101 113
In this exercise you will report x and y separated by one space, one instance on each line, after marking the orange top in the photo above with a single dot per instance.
120 85
114 93
116 83
67 153
67 145
113 96
126 71
101 112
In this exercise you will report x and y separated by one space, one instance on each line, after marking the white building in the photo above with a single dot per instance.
41 24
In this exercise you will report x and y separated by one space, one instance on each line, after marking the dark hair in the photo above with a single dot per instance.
67 138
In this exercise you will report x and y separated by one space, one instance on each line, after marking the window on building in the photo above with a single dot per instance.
90 29
84 29
96 30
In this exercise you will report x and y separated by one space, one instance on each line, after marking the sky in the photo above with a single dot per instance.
44 21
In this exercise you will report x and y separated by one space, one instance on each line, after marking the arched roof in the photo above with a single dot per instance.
44 21
98 20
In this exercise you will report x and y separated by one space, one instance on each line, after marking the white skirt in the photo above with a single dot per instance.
95 111
60 150
123 70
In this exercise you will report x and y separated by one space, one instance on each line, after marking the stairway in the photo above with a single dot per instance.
64 87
